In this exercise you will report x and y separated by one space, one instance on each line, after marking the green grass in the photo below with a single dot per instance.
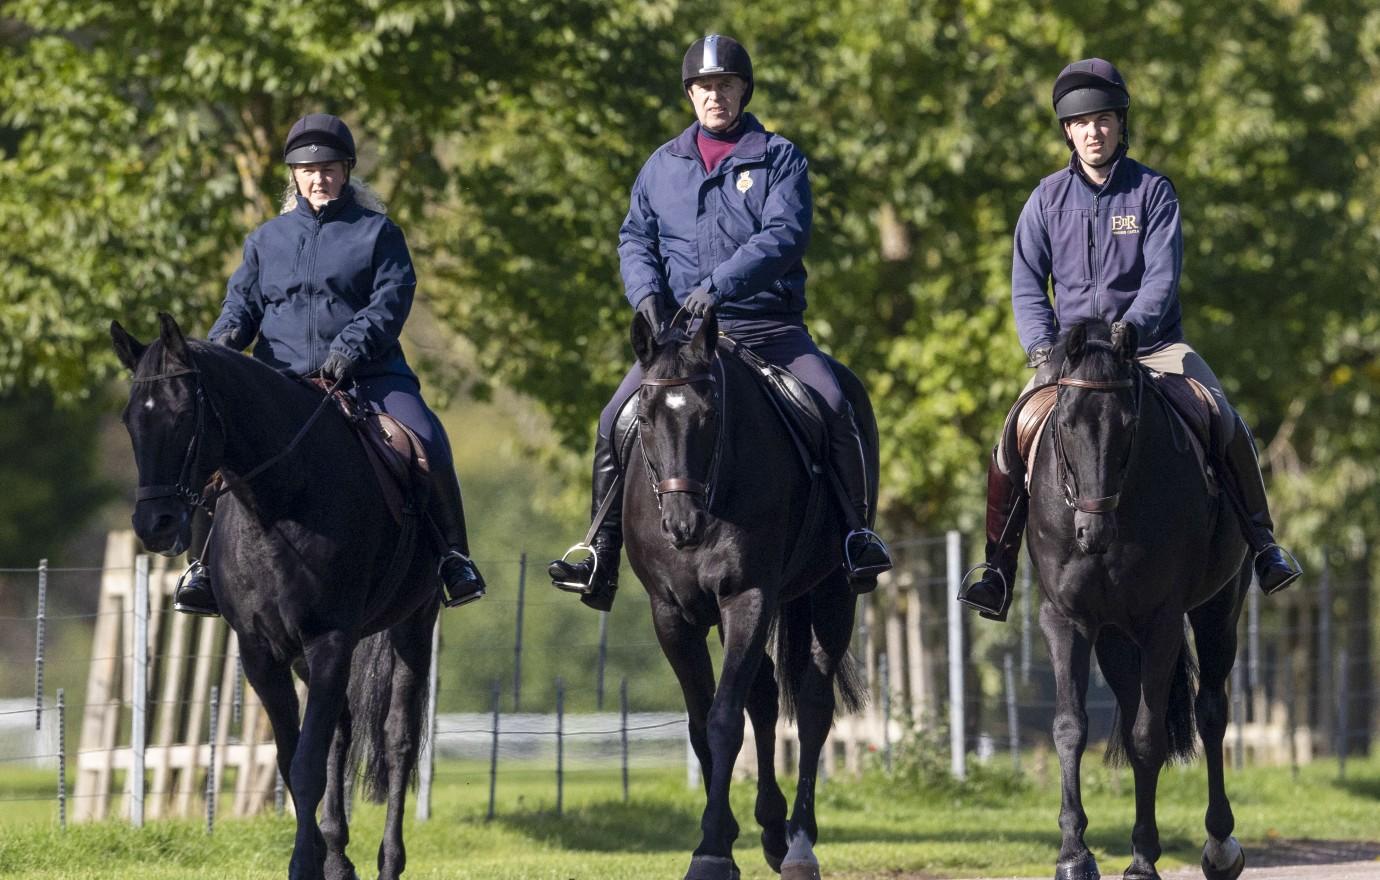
876 827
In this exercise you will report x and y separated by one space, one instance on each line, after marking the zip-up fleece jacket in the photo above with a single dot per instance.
741 228
1113 252
311 283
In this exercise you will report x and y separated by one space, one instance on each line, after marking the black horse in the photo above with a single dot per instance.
724 527
298 560
1127 540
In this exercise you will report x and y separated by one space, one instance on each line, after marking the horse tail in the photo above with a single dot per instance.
1179 721
794 634
372 677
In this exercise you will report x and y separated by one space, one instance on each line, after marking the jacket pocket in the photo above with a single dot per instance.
1070 246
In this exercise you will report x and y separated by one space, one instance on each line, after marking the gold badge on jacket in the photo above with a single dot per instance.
744 181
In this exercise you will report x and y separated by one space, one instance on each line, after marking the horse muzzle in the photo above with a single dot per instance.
163 525
1094 532
683 523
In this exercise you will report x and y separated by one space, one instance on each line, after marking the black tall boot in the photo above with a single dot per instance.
1274 567
991 594
462 580
193 595
865 554
595 577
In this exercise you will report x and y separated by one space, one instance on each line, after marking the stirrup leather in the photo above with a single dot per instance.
871 537
576 586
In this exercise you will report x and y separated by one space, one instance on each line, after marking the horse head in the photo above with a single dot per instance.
166 417
679 421
1095 423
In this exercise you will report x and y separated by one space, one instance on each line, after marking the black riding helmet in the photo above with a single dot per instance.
319 137
1091 86
713 55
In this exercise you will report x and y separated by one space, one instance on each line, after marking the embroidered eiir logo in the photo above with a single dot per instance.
1124 224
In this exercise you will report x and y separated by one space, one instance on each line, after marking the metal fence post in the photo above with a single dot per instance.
1013 724
279 792
1238 713
692 760
884 674
40 636
603 658
623 731
62 759
954 559
560 746
493 754
1324 705
426 769
1027 600
139 722
517 640
237 695
211 788
1343 713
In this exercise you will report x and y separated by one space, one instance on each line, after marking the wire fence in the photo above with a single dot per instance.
1305 686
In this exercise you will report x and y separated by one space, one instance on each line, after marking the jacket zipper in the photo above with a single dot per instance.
311 291
1092 255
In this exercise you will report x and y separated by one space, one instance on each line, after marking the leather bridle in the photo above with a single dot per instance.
1105 503
703 488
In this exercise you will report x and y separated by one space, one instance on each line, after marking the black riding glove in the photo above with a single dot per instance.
337 367
701 301
650 309
1039 356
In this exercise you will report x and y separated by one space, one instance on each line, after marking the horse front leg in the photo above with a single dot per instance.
328 663
745 617
770 812
1214 627
1069 653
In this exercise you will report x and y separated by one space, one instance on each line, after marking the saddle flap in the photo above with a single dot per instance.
794 401
1194 404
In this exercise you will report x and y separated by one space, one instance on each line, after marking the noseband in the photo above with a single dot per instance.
1106 503
705 488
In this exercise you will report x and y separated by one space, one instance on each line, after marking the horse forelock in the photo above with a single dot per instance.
1097 359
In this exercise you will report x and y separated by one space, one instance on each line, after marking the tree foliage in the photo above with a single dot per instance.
145 135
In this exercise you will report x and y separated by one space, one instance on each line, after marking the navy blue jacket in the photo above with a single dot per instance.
310 283
743 227
1114 253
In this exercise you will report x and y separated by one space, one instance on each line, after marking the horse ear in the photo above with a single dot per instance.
173 340
643 339
1076 342
1125 340
706 338
128 349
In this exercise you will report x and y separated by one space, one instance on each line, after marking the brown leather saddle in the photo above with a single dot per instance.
1193 414
395 454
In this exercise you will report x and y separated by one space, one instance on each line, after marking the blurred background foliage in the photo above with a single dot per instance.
140 142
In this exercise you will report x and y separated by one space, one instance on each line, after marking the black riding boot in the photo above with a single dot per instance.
865 555
193 592
595 577
1274 567
991 594
462 580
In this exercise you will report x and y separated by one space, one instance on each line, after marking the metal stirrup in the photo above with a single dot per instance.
871 536
579 587
983 566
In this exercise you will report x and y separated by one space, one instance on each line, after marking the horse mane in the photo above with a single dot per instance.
673 355
1086 350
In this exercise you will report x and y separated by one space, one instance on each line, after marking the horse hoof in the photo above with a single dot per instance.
1084 868
1229 852
1135 872
774 848
800 871
711 868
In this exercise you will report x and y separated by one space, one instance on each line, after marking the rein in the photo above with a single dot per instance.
181 489
705 488
1105 503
